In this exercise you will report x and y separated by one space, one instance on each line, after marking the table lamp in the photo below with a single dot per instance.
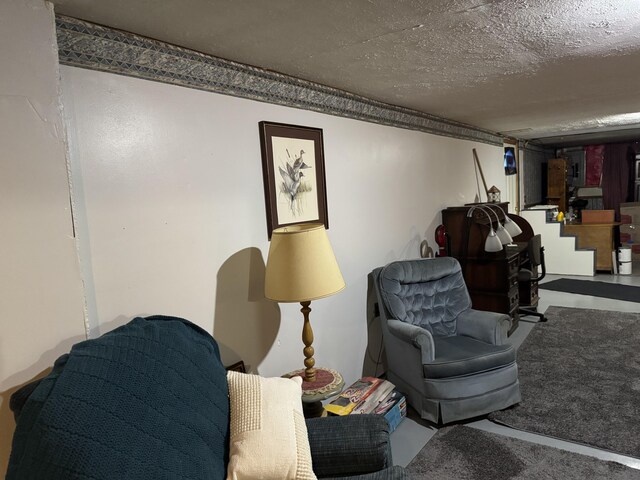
509 225
301 267
501 232
492 242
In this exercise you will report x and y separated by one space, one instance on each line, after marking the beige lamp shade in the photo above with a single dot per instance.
301 265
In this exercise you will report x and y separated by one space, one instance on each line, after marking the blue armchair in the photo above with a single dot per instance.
449 359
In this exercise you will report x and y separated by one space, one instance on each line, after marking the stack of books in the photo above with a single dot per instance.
371 395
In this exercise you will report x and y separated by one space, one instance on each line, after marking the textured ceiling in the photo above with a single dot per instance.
530 69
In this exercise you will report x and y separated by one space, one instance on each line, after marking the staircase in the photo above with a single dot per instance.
561 256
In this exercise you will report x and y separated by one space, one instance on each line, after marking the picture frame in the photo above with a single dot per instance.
510 167
293 172
237 367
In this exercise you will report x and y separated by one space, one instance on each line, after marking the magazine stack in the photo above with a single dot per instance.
371 395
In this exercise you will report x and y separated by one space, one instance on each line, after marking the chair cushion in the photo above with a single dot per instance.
534 250
460 355
346 445
429 293
524 275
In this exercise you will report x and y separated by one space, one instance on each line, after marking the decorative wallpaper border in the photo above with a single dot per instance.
534 147
86 45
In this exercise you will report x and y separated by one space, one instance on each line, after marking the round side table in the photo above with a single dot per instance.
328 383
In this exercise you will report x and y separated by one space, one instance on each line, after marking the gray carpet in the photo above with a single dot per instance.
580 380
467 453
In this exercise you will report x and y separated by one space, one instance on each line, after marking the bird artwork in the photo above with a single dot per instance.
291 180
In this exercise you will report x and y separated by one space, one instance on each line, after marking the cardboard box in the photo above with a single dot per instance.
630 236
397 413
598 216
630 213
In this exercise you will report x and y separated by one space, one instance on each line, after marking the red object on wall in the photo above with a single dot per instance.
594 155
441 240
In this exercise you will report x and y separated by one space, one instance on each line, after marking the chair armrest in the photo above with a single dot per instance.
349 445
391 473
415 336
488 327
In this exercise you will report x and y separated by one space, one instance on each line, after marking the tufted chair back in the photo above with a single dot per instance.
429 293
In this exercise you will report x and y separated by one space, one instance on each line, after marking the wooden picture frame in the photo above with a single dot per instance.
294 175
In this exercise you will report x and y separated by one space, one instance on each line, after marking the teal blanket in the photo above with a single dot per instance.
148 400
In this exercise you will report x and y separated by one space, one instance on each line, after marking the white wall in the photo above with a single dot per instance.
168 198
41 300
168 187
561 256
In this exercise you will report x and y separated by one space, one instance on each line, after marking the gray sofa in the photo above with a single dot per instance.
450 360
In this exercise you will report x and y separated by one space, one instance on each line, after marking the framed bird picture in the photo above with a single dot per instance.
293 173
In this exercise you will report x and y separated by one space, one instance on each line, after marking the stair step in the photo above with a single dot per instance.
562 256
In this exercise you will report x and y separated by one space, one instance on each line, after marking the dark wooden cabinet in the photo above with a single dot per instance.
493 282
557 193
491 278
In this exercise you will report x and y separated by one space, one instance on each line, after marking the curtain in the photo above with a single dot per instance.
594 159
615 176
631 169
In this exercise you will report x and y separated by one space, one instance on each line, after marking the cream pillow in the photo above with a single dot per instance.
268 433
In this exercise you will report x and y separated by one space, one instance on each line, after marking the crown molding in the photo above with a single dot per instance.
86 45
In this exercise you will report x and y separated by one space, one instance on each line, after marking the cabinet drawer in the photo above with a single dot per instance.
514 298
513 265
491 275
515 319
528 294
496 302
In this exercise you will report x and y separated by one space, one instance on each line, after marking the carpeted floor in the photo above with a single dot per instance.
467 453
580 380
616 291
